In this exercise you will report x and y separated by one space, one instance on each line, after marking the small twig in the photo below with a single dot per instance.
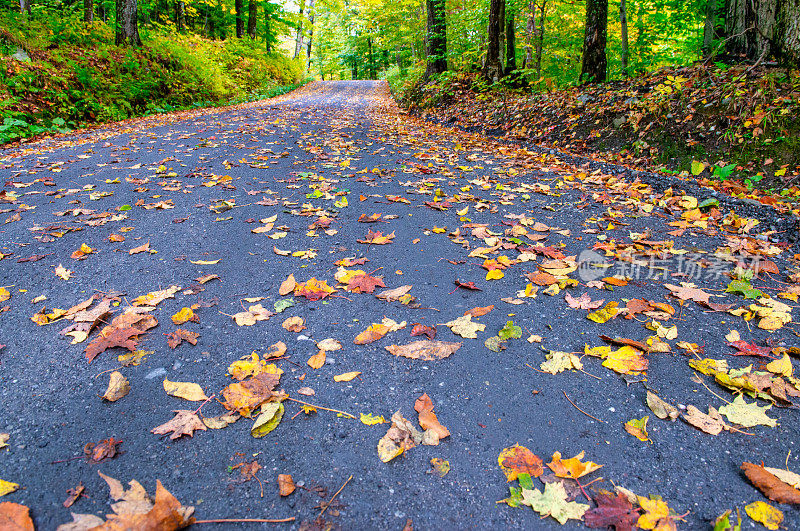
109 370
582 411
709 389
326 505
246 520
66 460
321 407
196 411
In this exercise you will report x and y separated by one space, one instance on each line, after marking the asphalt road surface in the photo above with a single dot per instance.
195 185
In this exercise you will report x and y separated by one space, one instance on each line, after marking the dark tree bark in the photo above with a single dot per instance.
750 27
511 43
252 16
88 11
102 11
311 16
530 31
594 65
540 39
787 31
623 35
239 7
708 27
127 23
437 38
493 68
180 8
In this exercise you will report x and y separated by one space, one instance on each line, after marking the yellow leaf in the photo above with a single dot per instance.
186 390
638 428
494 274
63 272
604 314
6 487
782 366
369 419
205 262
184 315
4 294
655 510
571 468
317 360
765 514
346 377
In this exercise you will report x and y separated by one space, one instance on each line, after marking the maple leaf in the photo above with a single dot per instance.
612 511
711 424
102 451
769 484
553 502
179 335
245 396
364 284
120 337
464 327
656 515
313 290
15 517
424 350
372 218
377 238
584 302
558 361
747 415
517 460
185 422
687 291
571 468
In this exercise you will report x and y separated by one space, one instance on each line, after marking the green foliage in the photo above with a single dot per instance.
76 76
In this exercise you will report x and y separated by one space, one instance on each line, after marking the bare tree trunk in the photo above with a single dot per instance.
623 34
787 32
511 43
25 6
708 27
252 18
127 23
493 68
503 34
311 16
530 30
88 11
239 7
594 65
298 45
750 25
180 7
540 40
436 38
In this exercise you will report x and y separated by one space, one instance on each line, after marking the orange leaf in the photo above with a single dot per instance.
479 310
371 334
317 360
518 460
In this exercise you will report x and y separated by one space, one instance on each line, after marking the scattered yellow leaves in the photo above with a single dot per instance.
186 390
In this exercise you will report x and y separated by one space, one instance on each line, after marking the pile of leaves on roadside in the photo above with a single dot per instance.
735 122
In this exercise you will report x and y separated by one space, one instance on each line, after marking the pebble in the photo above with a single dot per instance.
155 373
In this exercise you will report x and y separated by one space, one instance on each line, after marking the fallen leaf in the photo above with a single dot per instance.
176 337
317 360
285 484
765 514
118 386
747 415
518 460
440 466
247 395
141 249
7 487
465 327
287 286
185 422
370 420
74 494
572 468
184 315
613 510
584 302
701 421
63 272
770 485
608 312
427 418
395 294
375 332
294 324
155 297
425 350
558 361
102 451
269 418
553 502
15 517
186 390
638 428
400 437
346 377
656 515
662 409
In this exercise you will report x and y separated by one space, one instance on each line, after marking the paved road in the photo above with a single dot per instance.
296 158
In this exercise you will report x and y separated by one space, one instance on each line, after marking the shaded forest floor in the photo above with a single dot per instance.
732 128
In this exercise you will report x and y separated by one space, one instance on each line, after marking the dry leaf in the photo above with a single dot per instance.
287 286
285 484
118 386
769 484
317 360
294 324
140 249
185 422
425 350
186 390
346 377
15 517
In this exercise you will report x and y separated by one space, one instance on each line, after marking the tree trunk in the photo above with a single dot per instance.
88 11
25 6
530 30
787 32
102 11
239 7
493 68
503 34
267 30
127 23
594 64
180 7
511 43
298 45
252 18
623 35
540 40
750 26
708 27
311 16
437 38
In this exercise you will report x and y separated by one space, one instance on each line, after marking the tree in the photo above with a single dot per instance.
239 7
298 45
757 29
437 38
788 31
511 43
623 35
311 15
88 11
25 6
493 68
127 30
180 8
594 65
708 26
252 16
530 31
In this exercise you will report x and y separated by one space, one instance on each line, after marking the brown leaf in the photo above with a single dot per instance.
584 302
518 460
166 514
479 311
287 286
15 517
118 386
394 294
249 394
121 337
184 423
421 329
466 285
688 293
102 451
621 341
769 484
364 284
175 338
74 494
285 484
377 238
140 249
294 324
427 418
612 511
425 350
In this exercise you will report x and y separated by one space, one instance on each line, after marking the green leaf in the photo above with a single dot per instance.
283 304
268 420
494 343
124 208
744 288
709 203
553 502
510 331
747 415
